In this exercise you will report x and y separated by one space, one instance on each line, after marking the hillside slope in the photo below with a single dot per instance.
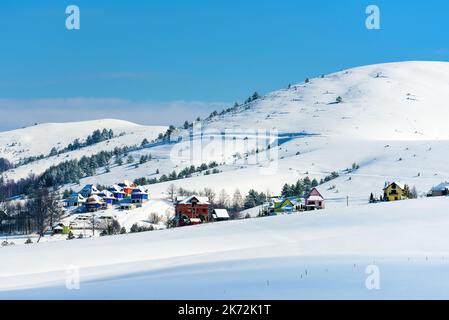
40 139
390 122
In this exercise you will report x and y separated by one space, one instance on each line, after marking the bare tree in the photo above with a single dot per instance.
45 208
171 191
223 199
210 194
237 201
154 218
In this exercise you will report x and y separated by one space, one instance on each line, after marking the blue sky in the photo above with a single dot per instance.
179 59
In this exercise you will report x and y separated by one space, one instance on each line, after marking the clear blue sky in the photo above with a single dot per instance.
193 56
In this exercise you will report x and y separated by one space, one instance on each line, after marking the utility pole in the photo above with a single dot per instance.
347 201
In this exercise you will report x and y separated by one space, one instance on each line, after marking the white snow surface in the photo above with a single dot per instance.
321 255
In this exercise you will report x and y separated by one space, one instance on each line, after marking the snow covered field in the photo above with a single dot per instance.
312 255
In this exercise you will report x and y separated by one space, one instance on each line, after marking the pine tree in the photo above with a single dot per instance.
144 142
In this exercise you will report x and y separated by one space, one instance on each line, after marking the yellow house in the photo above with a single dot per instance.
394 191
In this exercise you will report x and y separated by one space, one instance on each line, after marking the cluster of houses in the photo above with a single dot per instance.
125 195
278 205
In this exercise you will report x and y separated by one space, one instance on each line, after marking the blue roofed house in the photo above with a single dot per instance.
108 198
118 192
440 190
75 200
94 203
89 190
139 195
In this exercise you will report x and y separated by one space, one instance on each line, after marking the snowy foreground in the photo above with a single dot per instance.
323 255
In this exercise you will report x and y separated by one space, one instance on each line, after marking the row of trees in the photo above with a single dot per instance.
37 215
96 137
185 173
65 172
304 186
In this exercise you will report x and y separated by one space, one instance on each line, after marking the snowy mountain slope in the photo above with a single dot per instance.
395 101
391 122
40 139
312 255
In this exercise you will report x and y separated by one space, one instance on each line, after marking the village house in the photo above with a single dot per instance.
220 215
440 190
394 191
89 190
314 200
139 195
108 198
60 228
94 203
117 191
193 207
75 200
287 205
127 188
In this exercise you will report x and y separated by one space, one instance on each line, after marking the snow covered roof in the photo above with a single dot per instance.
399 184
315 198
190 199
115 188
75 197
140 190
94 199
89 188
441 187
107 194
221 213
125 183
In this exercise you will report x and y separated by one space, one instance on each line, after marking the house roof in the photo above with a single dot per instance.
188 200
115 188
399 184
107 194
314 195
140 190
94 199
315 198
125 183
89 188
75 197
441 187
221 213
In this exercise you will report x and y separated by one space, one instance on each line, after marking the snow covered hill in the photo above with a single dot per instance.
40 139
390 121
322 255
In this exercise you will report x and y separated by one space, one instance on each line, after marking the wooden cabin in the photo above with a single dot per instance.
193 207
